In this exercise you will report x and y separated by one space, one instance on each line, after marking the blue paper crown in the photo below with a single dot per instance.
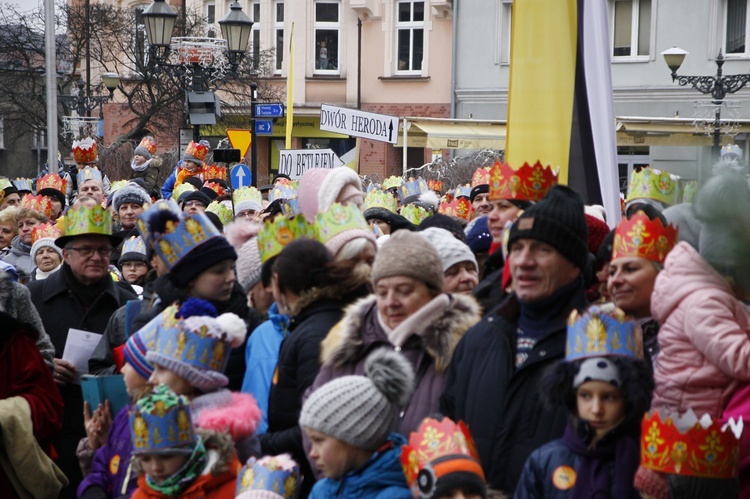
412 188
290 208
463 191
196 341
281 192
160 422
597 333
23 184
89 173
279 475
134 245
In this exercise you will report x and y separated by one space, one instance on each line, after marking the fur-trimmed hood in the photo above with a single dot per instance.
349 339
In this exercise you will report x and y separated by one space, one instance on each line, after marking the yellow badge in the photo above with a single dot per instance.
114 464
564 477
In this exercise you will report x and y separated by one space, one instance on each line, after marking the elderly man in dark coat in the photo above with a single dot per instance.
493 380
81 295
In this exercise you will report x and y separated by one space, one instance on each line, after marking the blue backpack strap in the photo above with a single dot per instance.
132 310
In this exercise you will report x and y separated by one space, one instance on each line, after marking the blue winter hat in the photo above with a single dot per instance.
479 238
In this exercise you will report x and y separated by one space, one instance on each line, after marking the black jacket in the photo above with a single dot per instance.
502 405
489 292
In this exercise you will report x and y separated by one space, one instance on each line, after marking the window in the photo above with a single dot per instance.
211 20
503 33
278 28
327 15
632 28
735 16
410 36
255 35
39 138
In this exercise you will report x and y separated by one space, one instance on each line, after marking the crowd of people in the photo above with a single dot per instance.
323 338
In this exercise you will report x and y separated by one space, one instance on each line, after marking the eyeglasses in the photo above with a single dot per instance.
190 204
87 251
247 214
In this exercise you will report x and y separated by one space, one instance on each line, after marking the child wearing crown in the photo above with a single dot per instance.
191 165
145 165
174 458
605 385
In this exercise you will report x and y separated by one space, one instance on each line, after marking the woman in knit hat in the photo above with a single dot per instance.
409 312
349 421
319 188
46 255
145 165
459 263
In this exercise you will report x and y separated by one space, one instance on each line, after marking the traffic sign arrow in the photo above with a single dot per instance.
263 127
274 110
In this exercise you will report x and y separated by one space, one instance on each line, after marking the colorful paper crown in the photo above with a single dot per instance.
148 144
689 191
160 422
134 245
690 447
654 184
275 235
436 449
181 189
412 187
89 173
42 204
44 231
463 191
528 183
211 172
597 333
52 181
642 237
481 176
435 185
222 211
117 185
83 220
277 474
392 182
338 219
24 184
217 188
290 208
459 208
415 214
281 191
381 199
5 183
731 149
247 198
85 151
196 150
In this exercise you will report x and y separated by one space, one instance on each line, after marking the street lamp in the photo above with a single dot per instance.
83 104
718 86
236 28
159 19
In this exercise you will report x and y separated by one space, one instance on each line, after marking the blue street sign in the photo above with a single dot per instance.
263 127
240 176
275 110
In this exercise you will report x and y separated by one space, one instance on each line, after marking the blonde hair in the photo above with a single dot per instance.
8 216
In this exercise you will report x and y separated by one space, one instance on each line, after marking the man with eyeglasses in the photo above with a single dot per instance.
194 202
81 295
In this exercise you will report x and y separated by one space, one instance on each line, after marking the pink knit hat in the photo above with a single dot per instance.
319 188
309 187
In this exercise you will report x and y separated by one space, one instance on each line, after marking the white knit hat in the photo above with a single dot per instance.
242 235
450 249
45 242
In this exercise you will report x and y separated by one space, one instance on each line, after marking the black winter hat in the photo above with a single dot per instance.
210 252
195 196
444 222
558 220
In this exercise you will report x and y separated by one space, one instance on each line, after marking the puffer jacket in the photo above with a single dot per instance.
20 258
703 339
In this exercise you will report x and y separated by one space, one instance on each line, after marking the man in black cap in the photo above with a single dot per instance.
493 379
193 202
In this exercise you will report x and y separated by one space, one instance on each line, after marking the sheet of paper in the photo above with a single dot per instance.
78 348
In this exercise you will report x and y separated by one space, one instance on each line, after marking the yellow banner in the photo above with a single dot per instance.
542 83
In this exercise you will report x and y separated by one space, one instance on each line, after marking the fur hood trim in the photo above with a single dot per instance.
345 343
357 279
240 418
6 290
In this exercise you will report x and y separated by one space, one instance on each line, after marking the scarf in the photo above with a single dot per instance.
85 294
417 322
175 484
41 275
182 174
548 314
141 167
597 477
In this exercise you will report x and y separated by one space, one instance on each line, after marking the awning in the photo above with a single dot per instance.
453 134
635 131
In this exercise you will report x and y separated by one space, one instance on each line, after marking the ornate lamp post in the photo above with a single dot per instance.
83 104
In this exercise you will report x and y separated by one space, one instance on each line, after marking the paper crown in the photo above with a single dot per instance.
23 184
338 219
196 150
731 150
412 187
275 235
117 185
42 204
181 189
277 474
689 191
436 449
247 196
217 188
160 422
392 182
281 191
463 191
381 199
85 151
689 446
459 208
134 245
171 234
291 208
654 184
89 173
148 144
211 172
481 176
52 181
44 231
5 183
642 237
222 210
84 220
435 185
597 333
528 183
415 214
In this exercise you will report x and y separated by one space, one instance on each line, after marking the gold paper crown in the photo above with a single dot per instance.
275 235
528 183
217 188
247 194
211 172
117 185
221 210
690 447
148 144
392 182
42 231
654 184
5 183
381 199
645 238
481 176
338 219
196 150
42 204
184 187
52 181
597 333
459 208
85 151
413 213
435 185
84 220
